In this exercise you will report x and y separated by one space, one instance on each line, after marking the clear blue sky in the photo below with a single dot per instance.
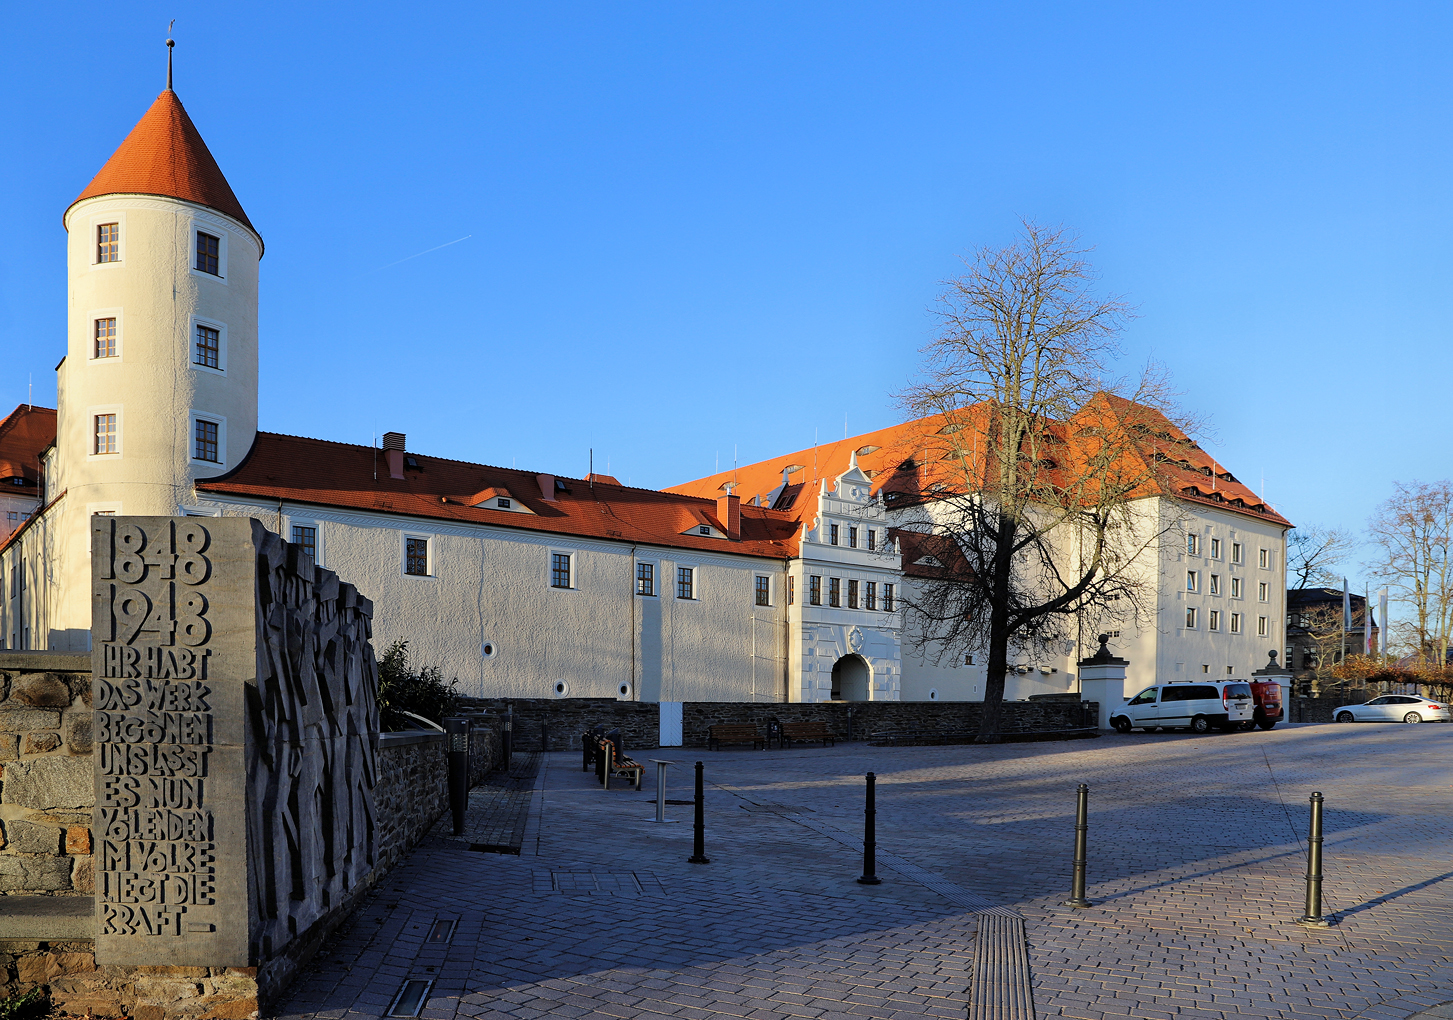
699 226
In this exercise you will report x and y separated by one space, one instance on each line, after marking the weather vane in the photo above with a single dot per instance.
169 44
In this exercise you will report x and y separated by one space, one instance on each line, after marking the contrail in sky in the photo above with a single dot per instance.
425 252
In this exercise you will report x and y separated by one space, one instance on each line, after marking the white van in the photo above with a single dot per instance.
1192 706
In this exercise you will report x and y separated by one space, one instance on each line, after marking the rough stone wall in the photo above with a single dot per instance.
926 718
46 790
567 718
81 988
412 791
1324 710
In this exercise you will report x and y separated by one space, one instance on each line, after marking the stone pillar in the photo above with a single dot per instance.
1273 670
1102 679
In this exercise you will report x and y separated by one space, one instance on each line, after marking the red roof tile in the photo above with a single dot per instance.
24 433
165 155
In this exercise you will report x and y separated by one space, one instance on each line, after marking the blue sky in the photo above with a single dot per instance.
693 228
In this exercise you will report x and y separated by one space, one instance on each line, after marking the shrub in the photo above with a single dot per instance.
33 1005
400 690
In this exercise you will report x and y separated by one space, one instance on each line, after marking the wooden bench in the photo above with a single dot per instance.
795 731
622 767
734 733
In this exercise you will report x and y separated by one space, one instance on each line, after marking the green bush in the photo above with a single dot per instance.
33 1005
400 690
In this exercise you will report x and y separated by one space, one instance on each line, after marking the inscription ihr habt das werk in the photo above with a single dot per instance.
156 873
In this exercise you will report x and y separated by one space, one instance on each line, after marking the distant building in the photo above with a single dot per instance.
24 435
1314 629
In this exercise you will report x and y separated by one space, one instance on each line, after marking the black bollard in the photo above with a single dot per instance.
1082 831
457 731
870 839
1313 917
544 734
509 736
698 844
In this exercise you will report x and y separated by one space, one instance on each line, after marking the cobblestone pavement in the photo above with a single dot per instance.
1196 871
498 809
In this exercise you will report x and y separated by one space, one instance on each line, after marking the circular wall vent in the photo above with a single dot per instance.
561 689
487 649
623 691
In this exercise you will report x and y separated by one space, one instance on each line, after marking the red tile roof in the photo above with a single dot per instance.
346 476
165 155
24 433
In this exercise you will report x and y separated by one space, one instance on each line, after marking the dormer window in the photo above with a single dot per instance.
703 530
502 503
108 242
208 249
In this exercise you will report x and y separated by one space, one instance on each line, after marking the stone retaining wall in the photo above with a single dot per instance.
567 718
411 793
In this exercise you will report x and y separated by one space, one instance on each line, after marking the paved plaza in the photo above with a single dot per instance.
1197 856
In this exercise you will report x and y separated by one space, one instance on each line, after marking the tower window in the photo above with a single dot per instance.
306 538
206 437
416 556
105 434
105 338
108 242
207 250
209 347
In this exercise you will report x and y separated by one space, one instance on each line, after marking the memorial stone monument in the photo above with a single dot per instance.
234 694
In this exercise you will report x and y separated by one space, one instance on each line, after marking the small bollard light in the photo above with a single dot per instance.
457 733
544 734
1082 831
698 842
870 835
1312 918
509 736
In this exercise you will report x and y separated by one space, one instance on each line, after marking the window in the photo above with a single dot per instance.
559 570
305 537
814 590
105 434
645 579
503 503
832 534
416 556
108 242
1193 545
835 592
206 439
1235 552
703 530
852 594
1264 559
1261 626
870 594
764 590
1190 617
887 598
105 338
1235 623
685 578
1213 619
968 660
1262 592
872 540
1215 584
1215 548
852 538
791 590
207 251
209 347
1192 579
1235 587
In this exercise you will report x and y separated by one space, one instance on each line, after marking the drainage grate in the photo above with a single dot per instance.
495 848
442 931
681 802
411 998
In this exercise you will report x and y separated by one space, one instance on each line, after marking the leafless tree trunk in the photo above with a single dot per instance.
1413 528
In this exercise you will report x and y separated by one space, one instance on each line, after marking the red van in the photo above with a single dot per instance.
1266 695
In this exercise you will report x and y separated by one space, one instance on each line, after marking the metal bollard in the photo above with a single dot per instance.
544 734
457 733
698 843
509 736
870 839
1313 917
1082 830
661 764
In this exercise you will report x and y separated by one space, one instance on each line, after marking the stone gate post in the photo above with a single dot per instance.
1102 679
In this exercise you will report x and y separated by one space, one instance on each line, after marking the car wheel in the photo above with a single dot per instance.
1412 717
1121 724
1200 724
1345 717
1268 724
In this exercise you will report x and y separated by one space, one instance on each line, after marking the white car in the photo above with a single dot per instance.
1406 708
1198 707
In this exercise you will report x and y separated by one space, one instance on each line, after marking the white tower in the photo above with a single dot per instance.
159 383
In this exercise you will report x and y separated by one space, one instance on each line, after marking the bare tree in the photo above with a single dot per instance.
1026 477
1313 554
1413 529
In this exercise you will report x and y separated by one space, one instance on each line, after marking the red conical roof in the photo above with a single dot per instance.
165 155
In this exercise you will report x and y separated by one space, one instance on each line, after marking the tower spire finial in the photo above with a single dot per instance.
169 44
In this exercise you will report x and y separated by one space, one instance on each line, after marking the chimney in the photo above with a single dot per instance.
393 452
547 487
729 513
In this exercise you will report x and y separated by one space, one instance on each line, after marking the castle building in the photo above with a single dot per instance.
518 583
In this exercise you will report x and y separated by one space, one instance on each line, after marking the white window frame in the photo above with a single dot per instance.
1263 559
1235 552
1263 592
1193 580
574 570
1236 588
220 421
1193 545
1191 617
1262 626
120 413
1215 585
310 522
105 313
695 569
655 566
96 219
430 552
1235 623
221 328
200 226
1215 548
1213 619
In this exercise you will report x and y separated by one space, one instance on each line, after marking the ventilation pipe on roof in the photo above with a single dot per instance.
547 487
729 512
393 452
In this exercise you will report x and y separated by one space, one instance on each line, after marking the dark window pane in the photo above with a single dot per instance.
764 591
871 595
645 579
814 590
209 347
852 594
560 570
206 436
207 250
416 556
684 581
835 591
887 598
306 539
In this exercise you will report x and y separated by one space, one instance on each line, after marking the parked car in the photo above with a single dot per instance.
1266 694
1406 708
1197 707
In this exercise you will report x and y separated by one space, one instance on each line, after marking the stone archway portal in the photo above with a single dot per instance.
851 679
